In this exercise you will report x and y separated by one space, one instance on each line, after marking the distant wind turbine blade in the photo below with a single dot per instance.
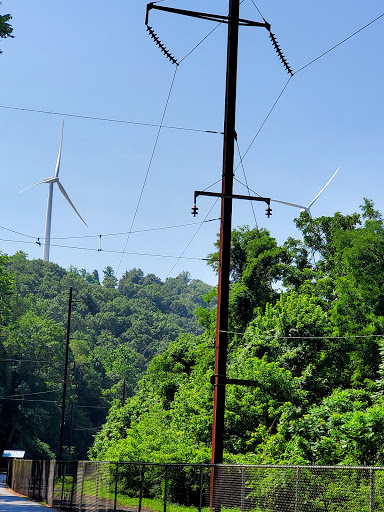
289 204
322 190
59 154
69 201
34 185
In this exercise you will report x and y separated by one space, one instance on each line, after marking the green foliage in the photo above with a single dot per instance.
5 27
307 327
114 336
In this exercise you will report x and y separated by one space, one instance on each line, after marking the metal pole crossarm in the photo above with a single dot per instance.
221 380
206 16
232 196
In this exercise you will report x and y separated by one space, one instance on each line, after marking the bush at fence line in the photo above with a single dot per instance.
181 485
184 485
336 490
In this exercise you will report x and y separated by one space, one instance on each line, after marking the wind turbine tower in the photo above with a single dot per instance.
51 181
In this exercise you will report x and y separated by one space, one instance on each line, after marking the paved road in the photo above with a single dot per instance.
11 503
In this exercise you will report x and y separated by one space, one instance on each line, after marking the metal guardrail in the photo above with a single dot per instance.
136 487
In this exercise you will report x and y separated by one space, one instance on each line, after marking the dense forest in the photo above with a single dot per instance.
117 327
306 323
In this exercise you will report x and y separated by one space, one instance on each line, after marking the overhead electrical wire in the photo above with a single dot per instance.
272 336
258 10
136 231
298 71
245 177
157 138
148 168
32 400
199 43
190 241
30 394
161 125
109 251
339 44
10 360
107 119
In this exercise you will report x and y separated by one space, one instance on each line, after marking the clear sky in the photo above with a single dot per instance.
93 58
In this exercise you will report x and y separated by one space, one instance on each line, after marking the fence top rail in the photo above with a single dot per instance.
248 466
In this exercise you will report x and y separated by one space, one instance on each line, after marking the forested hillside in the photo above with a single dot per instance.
307 324
117 327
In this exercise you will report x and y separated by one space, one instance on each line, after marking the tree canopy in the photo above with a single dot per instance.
117 327
306 325
5 27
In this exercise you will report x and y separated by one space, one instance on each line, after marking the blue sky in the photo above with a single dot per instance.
96 59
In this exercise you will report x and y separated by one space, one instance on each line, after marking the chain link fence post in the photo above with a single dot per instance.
116 481
298 483
242 490
141 486
166 488
372 479
62 472
201 480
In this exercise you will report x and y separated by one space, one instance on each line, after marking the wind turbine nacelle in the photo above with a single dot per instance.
50 180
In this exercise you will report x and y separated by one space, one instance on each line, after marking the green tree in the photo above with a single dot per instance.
5 27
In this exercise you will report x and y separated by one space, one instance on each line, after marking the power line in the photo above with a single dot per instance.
136 231
107 119
258 10
33 400
110 251
8 360
265 120
189 243
88 428
245 177
110 234
198 44
18 232
92 407
149 167
30 394
338 44
272 336
298 71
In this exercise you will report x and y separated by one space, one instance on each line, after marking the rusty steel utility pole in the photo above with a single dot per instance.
65 376
221 344
219 379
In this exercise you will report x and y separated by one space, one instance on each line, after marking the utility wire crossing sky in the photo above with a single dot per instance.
140 138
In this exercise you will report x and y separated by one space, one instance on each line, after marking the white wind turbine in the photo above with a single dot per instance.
51 181
307 208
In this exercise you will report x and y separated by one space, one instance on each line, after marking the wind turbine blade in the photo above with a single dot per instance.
322 190
69 201
59 154
289 204
34 185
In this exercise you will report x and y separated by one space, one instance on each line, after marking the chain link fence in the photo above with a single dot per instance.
134 487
